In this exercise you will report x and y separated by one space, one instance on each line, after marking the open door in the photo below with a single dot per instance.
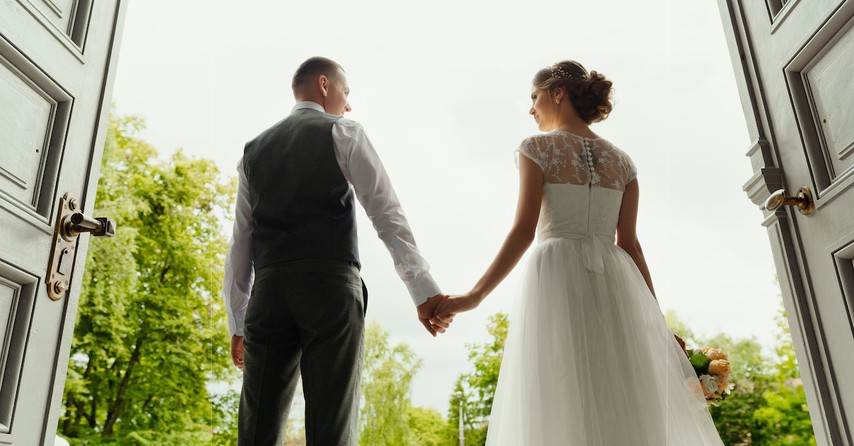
57 60
793 61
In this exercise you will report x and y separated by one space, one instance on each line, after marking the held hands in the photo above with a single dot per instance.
429 317
458 304
438 312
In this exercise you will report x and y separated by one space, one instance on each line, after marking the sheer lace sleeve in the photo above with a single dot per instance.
630 169
533 150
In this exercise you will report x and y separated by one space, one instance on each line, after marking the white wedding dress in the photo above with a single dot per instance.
589 359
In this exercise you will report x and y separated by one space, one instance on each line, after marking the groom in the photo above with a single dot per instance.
295 228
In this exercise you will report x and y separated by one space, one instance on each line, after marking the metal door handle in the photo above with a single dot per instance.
78 223
803 201
70 223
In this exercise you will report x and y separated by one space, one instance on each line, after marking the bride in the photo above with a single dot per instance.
588 360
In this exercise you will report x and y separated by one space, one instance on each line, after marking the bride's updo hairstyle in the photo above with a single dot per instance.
590 93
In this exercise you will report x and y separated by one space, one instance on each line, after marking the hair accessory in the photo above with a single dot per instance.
559 73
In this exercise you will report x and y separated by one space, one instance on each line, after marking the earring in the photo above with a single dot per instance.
557 101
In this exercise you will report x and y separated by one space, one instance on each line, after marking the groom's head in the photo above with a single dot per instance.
323 81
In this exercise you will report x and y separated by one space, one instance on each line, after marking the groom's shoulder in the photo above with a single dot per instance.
349 124
350 128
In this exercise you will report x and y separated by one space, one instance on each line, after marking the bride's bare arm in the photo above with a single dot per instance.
518 240
627 237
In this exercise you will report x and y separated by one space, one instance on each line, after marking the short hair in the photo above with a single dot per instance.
311 69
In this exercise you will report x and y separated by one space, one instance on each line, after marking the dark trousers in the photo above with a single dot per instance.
303 317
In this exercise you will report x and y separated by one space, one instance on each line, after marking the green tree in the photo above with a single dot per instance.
149 335
478 386
224 418
487 363
426 425
734 417
386 387
767 406
785 415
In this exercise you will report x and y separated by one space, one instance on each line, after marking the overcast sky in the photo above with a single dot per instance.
443 91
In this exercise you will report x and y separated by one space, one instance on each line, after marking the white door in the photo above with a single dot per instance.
57 59
794 65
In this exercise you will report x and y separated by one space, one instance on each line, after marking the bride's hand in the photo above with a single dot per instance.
681 343
458 304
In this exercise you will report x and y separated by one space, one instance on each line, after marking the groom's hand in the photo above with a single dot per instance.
237 351
428 318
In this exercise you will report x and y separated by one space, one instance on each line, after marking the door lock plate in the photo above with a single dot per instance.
70 223
58 277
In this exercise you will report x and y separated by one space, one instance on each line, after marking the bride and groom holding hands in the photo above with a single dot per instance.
586 312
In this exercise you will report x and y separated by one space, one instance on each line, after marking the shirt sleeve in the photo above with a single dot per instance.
362 168
238 261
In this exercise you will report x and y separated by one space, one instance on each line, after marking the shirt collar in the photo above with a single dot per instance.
308 104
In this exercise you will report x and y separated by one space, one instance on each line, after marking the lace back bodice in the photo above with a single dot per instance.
571 159
584 183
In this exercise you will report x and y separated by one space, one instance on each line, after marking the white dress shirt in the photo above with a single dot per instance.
363 169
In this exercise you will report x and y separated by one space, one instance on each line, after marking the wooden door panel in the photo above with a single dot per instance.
56 12
57 61
32 133
834 314
818 77
792 61
829 80
67 20
844 260
18 290
23 156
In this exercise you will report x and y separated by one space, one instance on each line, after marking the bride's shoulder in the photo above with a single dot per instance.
541 136
537 149
624 160
622 153
539 145
608 145
540 141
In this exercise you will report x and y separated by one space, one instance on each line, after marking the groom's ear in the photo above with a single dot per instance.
323 84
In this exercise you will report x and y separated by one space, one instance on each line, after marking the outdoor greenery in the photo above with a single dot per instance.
386 387
150 346
149 338
478 386
768 406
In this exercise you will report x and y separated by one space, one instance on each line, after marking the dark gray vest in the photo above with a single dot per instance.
302 205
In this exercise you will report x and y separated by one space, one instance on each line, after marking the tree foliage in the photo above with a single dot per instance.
386 388
426 425
478 386
785 415
768 405
149 334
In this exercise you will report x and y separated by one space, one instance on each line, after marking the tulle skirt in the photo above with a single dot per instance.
590 361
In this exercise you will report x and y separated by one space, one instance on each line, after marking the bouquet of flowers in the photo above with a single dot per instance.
713 369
